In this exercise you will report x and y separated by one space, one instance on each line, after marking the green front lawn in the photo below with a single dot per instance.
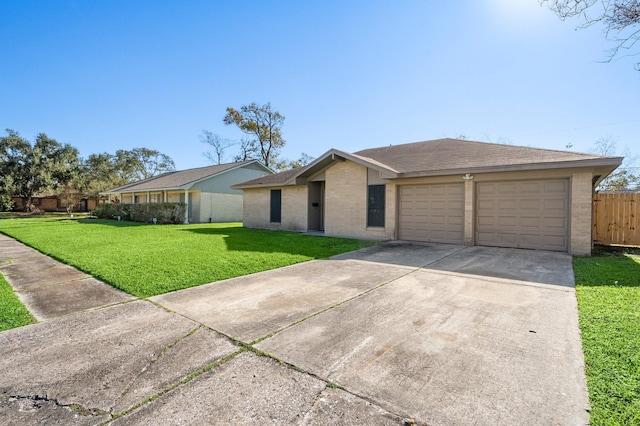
146 260
608 292
12 312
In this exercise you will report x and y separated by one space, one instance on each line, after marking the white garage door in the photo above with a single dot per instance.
432 213
525 214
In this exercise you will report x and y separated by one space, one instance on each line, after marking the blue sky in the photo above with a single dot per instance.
109 75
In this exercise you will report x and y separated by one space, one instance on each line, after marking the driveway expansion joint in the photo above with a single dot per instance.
152 361
40 287
328 308
175 385
444 257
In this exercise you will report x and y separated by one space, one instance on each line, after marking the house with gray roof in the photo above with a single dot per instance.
207 191
442 191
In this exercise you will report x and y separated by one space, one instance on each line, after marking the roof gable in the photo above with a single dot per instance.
183 179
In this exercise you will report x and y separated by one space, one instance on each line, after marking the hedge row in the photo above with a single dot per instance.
163 212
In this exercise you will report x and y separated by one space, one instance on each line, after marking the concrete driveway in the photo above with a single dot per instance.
435 334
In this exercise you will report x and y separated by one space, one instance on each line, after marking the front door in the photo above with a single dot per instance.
316 206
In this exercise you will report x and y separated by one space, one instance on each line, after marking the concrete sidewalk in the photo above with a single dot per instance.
50 289
392 334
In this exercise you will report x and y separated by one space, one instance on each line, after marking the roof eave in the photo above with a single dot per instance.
321 163
607 163
130 188
131 191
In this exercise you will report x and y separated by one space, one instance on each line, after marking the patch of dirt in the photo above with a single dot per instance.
599 250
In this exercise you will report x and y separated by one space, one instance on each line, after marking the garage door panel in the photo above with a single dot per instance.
506 220
455 205
530 240
531 222
530 204
506 204
432 213
505 188
486 220
486 204
558 204
530 187
538 214
556 186
556 222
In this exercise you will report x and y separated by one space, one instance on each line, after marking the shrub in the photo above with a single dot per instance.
6 205
144 213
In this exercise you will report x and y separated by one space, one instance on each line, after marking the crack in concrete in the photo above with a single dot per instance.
76 408
181 382
331 385
313 405
232 339
153 360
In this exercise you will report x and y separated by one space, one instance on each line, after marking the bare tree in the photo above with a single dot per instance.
248 150
218 144
626 176
620 19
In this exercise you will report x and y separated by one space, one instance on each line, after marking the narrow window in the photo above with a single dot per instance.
276 206
375 205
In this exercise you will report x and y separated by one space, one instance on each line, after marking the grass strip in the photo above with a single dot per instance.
12 312
608 292
147 260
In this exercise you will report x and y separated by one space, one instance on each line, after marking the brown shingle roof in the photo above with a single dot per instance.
450 154
444 156
274 179
177 179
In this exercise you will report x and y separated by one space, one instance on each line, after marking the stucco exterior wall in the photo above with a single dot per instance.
222 183
220 207
581 205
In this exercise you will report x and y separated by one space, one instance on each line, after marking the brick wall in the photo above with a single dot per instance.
581 196
346 203
255 208
294 210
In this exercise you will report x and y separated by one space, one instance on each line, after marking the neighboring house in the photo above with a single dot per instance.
53 203
445 191
206 190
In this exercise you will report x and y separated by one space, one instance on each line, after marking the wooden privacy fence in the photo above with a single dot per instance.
616 218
